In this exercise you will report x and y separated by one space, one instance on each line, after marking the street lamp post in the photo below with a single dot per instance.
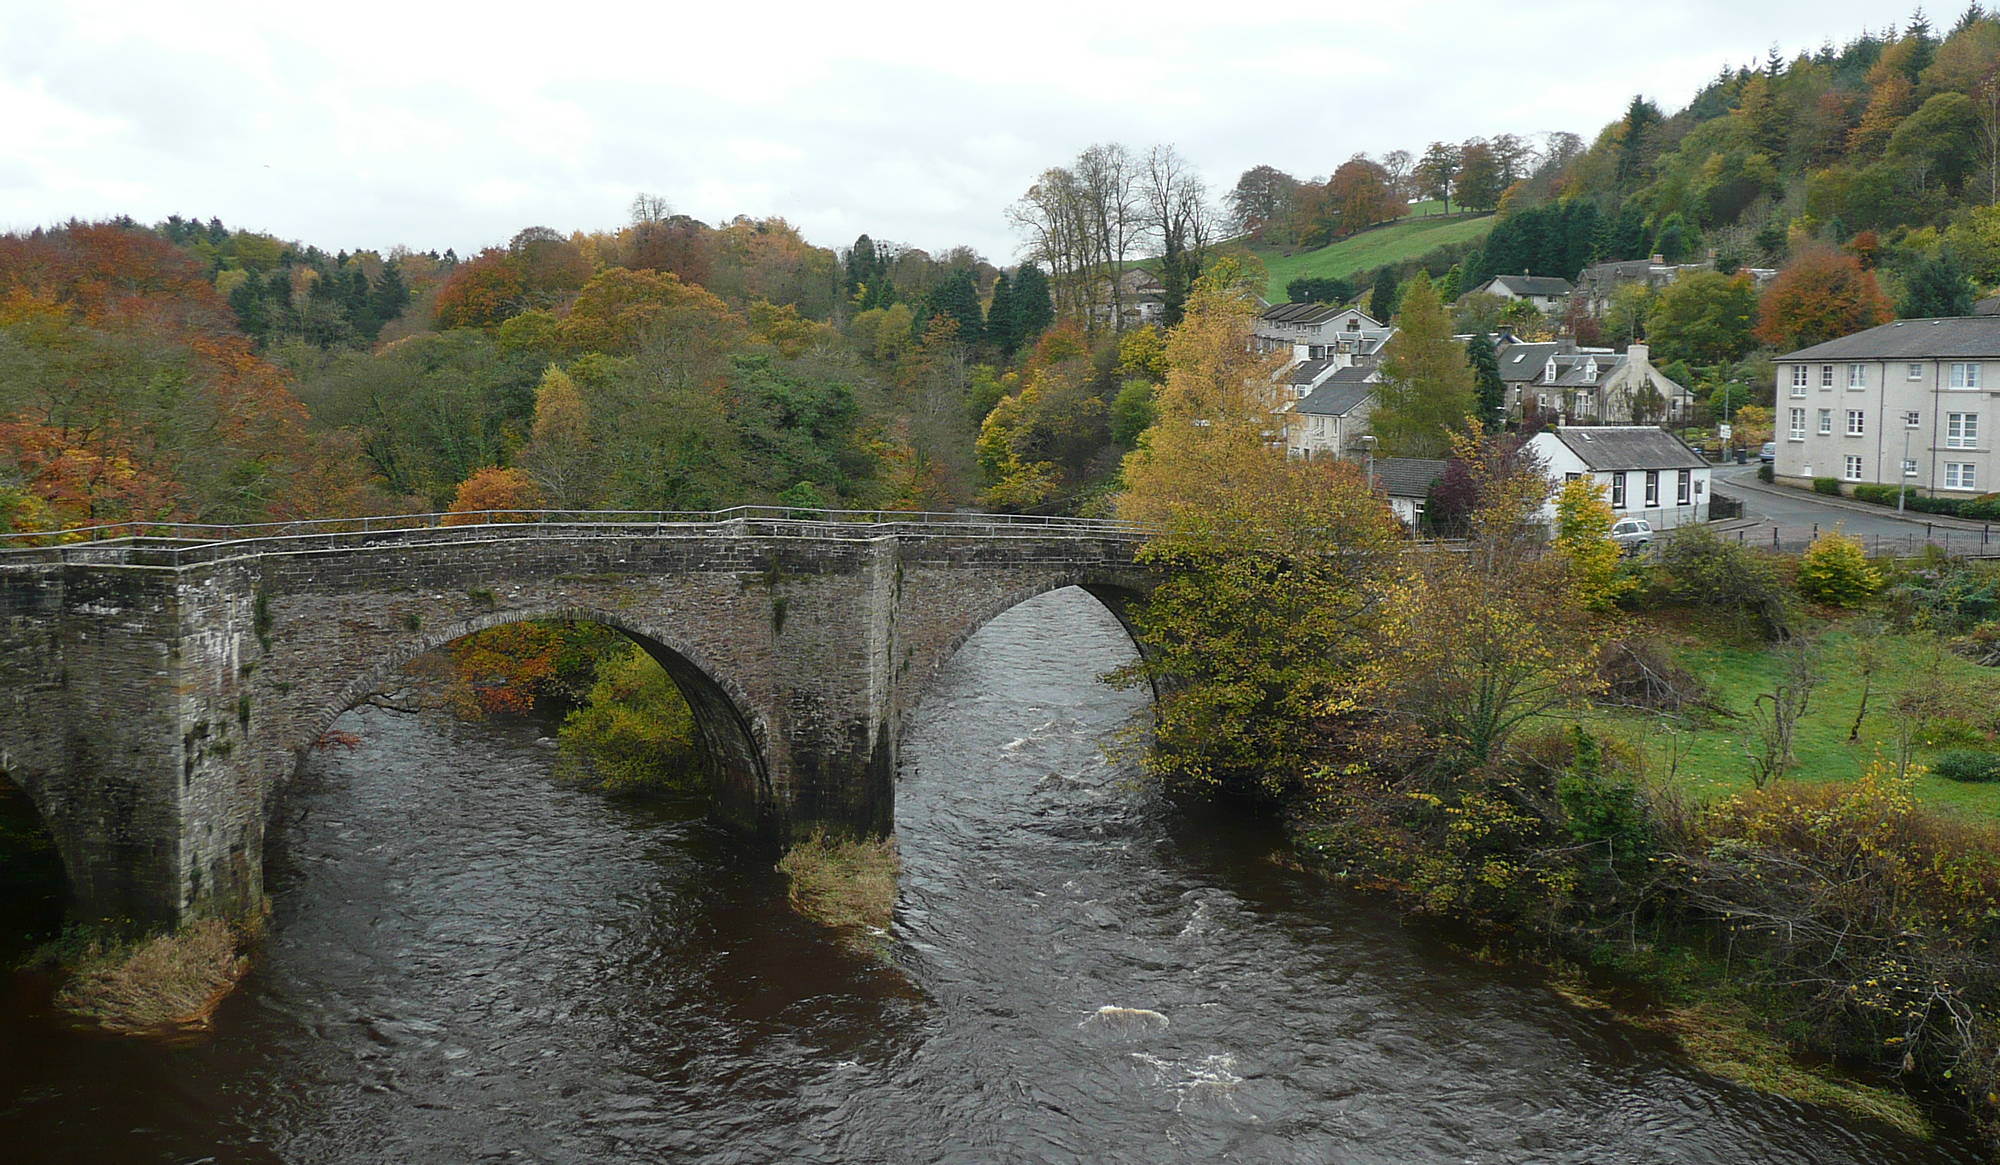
1368 445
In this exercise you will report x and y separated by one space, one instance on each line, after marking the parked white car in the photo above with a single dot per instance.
1633 534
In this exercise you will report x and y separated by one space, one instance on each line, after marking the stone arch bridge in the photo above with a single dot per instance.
158 684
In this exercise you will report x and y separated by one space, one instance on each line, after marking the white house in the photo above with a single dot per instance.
1323 329
1547 293
1647 472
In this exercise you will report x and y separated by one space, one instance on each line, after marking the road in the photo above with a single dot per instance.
1795 513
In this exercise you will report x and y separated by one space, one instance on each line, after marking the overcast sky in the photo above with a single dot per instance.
366 125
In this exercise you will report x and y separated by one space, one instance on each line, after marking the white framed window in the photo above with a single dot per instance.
1913 372
1913 420
1826 376
1857 376
1960 475
1618 491
1798 385
1800 376
1684 488
1961 430
1851 468
1825 422
1909 467
1652 487
1798 424
1965 376
1857 422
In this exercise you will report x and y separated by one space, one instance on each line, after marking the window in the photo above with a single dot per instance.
1961 430
1684 490
1857 422
1652 487
1915 372
1965 376
1909 467
1799 377
1798 424
1913 420
1797 388
1569 477
1825 422
1852 469
1618 491
1857 376
1826 376
1960 475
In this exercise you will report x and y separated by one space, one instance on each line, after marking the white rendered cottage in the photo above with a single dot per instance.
1647 472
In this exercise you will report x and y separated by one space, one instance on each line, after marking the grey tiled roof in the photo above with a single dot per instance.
1972 336
1629 447
1520 362
1335 398
1308 371
1302 313
1408 477
1534 284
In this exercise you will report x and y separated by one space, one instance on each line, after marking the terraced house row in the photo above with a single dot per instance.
1912 402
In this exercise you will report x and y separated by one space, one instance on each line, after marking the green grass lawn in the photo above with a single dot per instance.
1405 239
1714 760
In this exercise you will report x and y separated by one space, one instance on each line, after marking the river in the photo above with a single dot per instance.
470 961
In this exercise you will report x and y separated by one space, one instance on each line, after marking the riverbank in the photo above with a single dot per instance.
846 884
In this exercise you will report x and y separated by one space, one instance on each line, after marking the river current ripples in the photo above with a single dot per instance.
470 961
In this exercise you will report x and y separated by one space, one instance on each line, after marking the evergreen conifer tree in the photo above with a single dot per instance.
1489 390
1938 287
1426 392
1382 300
390 295
1003 322
958 298
1034 309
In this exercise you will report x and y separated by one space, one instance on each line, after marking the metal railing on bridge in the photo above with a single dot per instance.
188 543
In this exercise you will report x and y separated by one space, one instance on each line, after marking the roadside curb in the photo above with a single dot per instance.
1752 485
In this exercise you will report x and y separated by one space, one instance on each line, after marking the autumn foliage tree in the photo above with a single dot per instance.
493 495
1267 561
1824 294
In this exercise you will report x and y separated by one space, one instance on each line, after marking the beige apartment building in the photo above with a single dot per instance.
1913 402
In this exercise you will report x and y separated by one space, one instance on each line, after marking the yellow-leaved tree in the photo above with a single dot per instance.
1583 539
1268 562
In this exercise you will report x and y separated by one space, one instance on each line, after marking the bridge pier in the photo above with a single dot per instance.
157 700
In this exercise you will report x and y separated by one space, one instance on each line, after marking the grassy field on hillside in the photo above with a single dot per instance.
1406 239
1713 756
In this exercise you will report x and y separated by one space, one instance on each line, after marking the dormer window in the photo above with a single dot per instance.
1590 371
1549 373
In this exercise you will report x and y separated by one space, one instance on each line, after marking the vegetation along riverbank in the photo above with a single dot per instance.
1759 786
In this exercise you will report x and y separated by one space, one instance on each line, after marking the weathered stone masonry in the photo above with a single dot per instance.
153 710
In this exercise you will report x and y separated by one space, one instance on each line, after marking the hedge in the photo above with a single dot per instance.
1984 508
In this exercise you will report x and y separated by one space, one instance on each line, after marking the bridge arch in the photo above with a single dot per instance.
38 868
1117 593
734 734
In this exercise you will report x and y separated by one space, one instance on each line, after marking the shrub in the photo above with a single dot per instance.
1964 764
1834 570
157 985
1827 485
1765 472
1699 568
843 883
1868 916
